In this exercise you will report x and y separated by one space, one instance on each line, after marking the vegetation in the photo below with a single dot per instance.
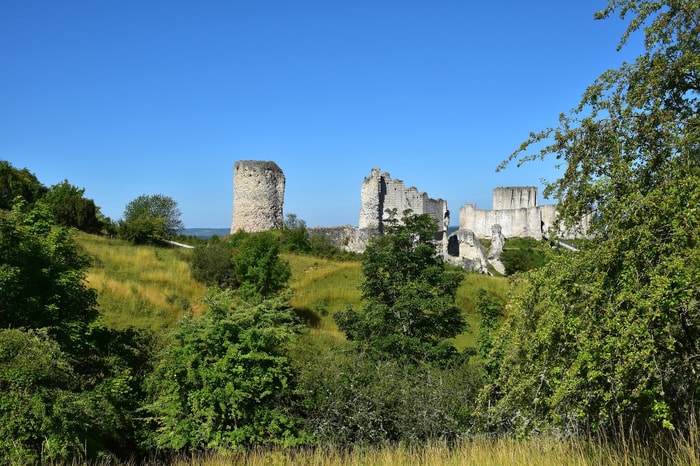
149 219
409 293
70 208
610 335
226 382
523 254
589 358
18 184
139 285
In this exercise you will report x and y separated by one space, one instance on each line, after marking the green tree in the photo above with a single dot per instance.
611 333
70 208
257 266
226 382
16 183
42 279
295 235
150 218
409 294
67 384
42 417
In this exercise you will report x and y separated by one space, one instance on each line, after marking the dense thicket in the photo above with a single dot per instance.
68 385
610 334
226 382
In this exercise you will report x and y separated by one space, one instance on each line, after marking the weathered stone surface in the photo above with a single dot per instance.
465 250
258 196
347 237
514 197
380 194
520 216
496 248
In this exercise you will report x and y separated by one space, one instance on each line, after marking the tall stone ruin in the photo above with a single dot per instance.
380 194
258 196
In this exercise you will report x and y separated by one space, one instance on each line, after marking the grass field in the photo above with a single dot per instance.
152 287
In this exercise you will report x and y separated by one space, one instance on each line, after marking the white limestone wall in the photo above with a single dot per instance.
371 198
515 223
381 194
514 197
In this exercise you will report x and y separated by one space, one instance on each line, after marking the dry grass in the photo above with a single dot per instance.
542 450
140 286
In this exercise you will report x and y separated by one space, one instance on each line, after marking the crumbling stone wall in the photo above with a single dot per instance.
518 213
514 197
258 196
381 194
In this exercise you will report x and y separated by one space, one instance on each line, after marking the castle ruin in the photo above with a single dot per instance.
382 195
258 196
517 211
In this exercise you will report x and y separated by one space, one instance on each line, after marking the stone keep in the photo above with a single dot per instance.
258 196
518 213
381 194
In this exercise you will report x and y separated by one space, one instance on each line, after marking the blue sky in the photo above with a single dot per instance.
162 97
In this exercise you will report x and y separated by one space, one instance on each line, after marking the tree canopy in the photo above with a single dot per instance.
409 294
150 218
16 183
611 333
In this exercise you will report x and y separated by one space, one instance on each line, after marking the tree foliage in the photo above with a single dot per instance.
611 333
70 208
42 417
257 266
226 382
351 398
42 278
211 264
409 294
150 218
16 183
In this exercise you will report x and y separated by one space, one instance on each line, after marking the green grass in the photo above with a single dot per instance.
140 286
152 287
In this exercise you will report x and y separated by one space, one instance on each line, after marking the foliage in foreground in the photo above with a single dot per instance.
68 385
611 334
409 296
226 381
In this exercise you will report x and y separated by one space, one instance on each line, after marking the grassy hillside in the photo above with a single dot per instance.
140 286
147 286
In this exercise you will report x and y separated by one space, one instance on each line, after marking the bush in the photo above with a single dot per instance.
211 264
226 382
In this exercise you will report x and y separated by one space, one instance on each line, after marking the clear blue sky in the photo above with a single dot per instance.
125 98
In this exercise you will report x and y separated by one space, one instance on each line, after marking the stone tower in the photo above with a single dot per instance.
380 193
258 196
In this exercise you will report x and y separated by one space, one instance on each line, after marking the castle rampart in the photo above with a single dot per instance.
517 211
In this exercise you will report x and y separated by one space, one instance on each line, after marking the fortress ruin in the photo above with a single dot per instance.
517 211
258 196
381 195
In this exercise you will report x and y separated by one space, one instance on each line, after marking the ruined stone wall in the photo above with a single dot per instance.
514 197
380 193
515 223
346 237
258 196
372 195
